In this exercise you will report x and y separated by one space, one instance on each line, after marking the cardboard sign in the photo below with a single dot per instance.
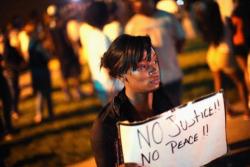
188 136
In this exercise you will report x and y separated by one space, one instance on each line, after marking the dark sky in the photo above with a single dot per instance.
10 8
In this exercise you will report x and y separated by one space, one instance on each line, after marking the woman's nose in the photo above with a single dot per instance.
152 69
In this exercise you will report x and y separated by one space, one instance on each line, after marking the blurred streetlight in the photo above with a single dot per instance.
51 10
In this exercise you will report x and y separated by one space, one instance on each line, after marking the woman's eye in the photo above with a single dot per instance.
141 67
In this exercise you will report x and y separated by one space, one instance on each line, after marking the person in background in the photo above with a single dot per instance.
72 31
68 57
133 61
219 54
95 43
5 96
40 74
14 64
240 20
167 37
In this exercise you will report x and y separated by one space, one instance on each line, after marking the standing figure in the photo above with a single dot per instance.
241 36
5 97
95 43
68 58
219 54
14 63
132 60
40 74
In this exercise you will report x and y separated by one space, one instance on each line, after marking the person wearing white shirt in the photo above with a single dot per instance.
95 43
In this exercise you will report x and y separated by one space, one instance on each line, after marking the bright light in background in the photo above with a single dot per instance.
51 10
180 2
168 6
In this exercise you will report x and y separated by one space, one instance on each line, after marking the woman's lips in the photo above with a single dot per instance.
155 79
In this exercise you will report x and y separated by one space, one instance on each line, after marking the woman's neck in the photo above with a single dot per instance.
142 102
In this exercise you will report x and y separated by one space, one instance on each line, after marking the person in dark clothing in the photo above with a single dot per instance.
132 60
40 74
220 59
241 37
68 58
14 63
6 125
6 102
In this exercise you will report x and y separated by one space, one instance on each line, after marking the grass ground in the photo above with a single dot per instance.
65 140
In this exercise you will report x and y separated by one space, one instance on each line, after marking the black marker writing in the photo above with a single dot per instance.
156 134
180 144
147 159
205 130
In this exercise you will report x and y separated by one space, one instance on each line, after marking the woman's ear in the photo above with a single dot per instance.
123 78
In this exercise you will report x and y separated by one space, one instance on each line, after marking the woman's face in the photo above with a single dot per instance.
146 77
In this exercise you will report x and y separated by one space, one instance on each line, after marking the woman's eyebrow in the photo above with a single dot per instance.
142 62
154 55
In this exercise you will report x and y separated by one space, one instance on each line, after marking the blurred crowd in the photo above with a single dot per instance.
78 33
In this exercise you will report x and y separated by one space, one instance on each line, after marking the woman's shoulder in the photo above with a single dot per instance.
111 112
103 124
106 114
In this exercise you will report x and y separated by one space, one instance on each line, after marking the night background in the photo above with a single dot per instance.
64 141
23 8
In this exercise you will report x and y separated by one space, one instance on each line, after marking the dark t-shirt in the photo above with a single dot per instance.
104 138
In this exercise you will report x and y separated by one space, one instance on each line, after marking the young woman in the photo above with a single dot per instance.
132 60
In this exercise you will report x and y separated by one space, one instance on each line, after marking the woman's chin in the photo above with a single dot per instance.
155 86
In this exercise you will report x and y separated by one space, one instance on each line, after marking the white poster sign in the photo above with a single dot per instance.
188 136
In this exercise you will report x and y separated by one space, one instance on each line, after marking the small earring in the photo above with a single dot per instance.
123 78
